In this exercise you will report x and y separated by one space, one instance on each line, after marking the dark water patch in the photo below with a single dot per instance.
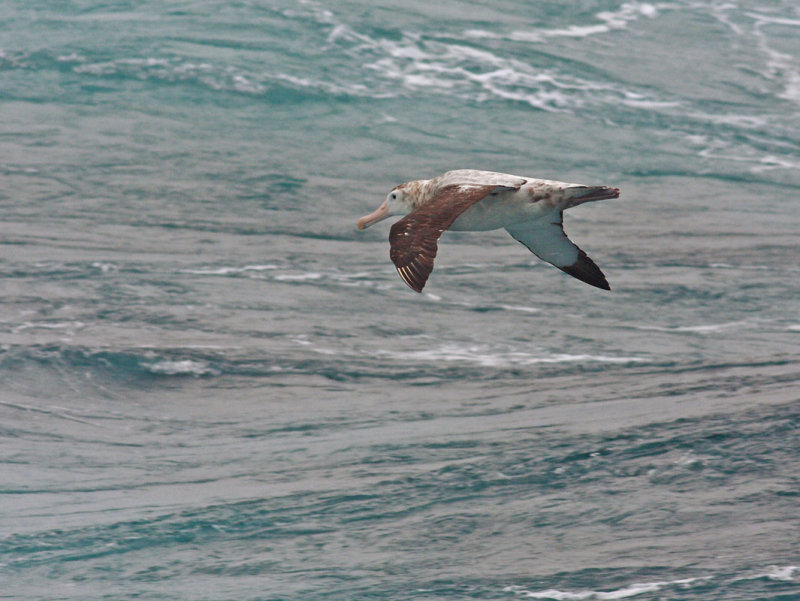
266 519
127 366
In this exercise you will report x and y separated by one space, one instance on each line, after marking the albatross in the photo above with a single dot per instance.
530 209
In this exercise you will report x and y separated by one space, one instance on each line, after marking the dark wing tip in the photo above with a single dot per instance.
416 271
410 279
411 254
585 270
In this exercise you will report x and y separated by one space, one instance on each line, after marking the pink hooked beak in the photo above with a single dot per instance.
382 212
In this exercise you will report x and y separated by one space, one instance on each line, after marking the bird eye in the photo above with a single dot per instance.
394 196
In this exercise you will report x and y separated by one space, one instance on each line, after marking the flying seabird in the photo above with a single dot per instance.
530 209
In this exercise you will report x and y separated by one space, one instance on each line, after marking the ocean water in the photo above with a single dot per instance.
213 387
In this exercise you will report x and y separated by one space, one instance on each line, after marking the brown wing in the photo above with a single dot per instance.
414 238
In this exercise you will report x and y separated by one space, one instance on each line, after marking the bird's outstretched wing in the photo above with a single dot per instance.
547 240
414 239
479 178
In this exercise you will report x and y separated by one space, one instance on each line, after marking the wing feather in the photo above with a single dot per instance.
414 239
548 241
479 178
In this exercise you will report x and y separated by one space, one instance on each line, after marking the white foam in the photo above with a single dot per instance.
456 68
718 12
69 326
770 162
578 31
485 357
745 121
779 573
414 63
6 168
782 68
768 20
519 308
623 593
688 459
185 367
699 329
230 270
105 267
106 68
783 573
717 149
242 83
609 20
123 64
66 58
354 89
342 32
705 329
744 267
480 34
298 277
303 340
649 104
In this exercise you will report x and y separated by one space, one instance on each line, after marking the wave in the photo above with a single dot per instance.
67 327
180 367
231 270
607 21
378 67
447 64
677 588
275 86
625 592
482 66
782 68
487 357
287 275
49 366
781 573
420 65
703 328
64 358
452 65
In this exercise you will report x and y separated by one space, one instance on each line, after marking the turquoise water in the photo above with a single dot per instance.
212 386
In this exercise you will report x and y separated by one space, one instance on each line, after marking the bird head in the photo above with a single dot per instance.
400 201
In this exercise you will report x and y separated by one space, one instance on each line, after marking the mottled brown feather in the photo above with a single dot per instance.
414 239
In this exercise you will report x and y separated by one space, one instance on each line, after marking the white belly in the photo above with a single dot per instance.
505 209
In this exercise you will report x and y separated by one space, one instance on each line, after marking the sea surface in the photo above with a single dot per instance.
213 387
